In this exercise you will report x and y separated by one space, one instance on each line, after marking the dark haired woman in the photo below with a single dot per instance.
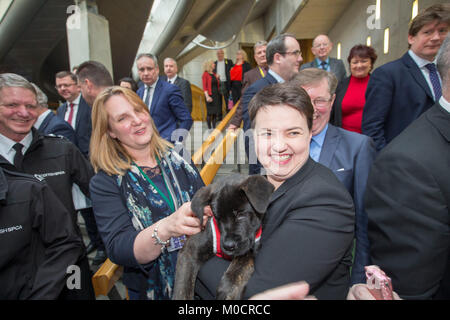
350 94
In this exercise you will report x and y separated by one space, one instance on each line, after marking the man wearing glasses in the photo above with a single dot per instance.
75 110
348 154
321 49
284 57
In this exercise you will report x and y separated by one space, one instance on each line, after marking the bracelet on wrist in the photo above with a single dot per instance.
158 240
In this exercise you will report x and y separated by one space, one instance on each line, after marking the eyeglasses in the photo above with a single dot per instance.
64 86
321 102
294 53
321 45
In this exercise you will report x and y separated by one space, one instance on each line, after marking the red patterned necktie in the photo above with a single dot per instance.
70 114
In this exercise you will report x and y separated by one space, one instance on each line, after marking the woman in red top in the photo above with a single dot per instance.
237 74
211 89
350 93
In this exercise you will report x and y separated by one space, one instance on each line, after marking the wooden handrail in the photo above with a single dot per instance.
198 104
209 171
198 155
109 272
105 277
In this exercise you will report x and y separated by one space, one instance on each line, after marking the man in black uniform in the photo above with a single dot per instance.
38 243
54 159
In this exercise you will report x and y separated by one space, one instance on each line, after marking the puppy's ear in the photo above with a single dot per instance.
258 191
201 199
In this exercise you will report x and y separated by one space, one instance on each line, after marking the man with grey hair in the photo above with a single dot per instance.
408 201
251 77
165 101
47 122
171 71
51 158
348 154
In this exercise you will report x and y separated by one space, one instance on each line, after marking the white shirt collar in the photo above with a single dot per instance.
76 101
41 118
421 63
153 85
276 76
445 104
6 146
173 79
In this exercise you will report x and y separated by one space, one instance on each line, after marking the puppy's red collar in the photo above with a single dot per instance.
216 239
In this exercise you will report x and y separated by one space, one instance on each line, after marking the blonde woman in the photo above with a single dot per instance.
237 74
211 87
140 193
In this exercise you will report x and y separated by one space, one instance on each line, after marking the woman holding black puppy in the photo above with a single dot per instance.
308 227
140 194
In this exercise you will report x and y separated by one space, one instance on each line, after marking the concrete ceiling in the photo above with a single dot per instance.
37 47
317 17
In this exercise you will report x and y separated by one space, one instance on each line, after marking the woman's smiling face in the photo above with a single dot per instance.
282 141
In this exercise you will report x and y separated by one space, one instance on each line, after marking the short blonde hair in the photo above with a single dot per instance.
207 66
108 154
244 54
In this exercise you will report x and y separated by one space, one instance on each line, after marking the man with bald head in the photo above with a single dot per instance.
321 49
171 71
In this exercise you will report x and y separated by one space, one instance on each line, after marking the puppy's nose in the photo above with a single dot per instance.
229 246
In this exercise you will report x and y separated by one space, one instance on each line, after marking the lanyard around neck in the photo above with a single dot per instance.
262 72
169 199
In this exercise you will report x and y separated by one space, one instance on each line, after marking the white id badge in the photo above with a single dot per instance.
176 243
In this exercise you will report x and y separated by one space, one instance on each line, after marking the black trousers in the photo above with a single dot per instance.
91 228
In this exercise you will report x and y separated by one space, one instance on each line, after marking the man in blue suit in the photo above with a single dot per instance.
165 101
284 57
321 48
47 122
348 154
400 91
75 110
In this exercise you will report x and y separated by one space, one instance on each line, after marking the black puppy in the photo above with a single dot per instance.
238 204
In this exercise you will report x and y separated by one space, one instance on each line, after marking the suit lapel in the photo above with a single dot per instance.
416 73
330 144
80 114
156 95
46 122
440 119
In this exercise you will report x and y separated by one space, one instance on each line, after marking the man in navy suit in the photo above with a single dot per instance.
165 101
400 91
321 49
47 122
284 57
93 77
348 154
171 71
75 110
408 201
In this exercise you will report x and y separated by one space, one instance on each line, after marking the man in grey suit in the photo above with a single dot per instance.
348 154
171 71
321 49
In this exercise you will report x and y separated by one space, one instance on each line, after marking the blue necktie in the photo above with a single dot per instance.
435 80
314 150
323 64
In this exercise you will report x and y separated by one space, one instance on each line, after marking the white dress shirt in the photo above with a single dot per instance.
421 63
76 103
6 146
445 104
221 70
